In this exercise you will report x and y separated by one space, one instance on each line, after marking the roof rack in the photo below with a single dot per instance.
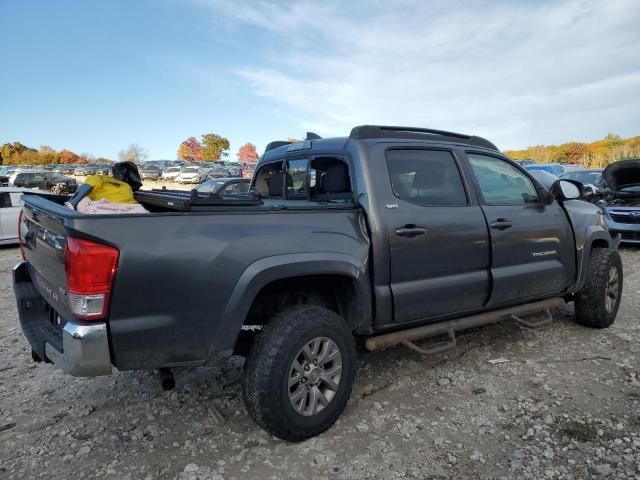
383 131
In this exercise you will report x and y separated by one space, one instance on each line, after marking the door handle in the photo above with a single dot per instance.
501 224
410 231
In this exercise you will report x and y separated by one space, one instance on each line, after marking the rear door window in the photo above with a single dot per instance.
426 177
296 175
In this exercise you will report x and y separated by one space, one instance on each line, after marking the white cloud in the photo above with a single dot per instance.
520 73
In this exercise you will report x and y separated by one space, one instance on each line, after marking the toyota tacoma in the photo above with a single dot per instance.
389 236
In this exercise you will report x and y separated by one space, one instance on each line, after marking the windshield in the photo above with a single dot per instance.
190 170
584 177
173 169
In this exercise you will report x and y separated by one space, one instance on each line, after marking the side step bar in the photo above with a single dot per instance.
407 337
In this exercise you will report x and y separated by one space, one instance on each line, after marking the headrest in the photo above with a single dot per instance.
428 180
275 185
336 180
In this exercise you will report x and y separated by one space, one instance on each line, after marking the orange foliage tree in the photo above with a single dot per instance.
190 150
248 153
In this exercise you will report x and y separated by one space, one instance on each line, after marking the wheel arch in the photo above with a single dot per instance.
295 268
595 237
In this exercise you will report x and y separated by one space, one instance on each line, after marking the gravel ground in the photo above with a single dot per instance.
566 404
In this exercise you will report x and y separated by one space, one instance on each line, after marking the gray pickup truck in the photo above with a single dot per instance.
385 237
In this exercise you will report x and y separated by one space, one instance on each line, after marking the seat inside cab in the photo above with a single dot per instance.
319 179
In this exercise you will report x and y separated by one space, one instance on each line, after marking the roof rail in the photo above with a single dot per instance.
276 144
384 131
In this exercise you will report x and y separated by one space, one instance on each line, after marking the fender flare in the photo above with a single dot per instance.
280 267
592 234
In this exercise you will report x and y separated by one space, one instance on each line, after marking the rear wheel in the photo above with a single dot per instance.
299 373
598 302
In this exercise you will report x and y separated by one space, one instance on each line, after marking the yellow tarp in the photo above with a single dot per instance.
109 188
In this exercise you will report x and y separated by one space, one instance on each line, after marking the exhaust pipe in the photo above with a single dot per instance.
406 337
167 381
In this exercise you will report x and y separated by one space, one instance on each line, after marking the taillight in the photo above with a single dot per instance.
24 257
90 268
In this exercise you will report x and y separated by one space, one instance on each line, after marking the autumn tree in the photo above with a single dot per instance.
29 156
84 158
214 147
67 157
48 155
190 150
8 150
247 153
133 153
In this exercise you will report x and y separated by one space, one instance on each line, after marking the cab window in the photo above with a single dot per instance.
500 182
426 177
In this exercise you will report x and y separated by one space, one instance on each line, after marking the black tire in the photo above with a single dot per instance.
266 380
591 304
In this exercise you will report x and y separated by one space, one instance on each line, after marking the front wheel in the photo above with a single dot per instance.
299 373
597 304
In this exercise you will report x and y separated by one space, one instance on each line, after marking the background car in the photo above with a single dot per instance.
4 177
68 169
81 171
554 168
234 169
620 199
587 176
224 186
170 173
150 172
190 175
545 178
45 180
10 207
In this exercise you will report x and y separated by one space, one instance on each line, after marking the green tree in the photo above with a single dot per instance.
214 147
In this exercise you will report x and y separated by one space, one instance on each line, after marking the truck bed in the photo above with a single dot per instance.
177 270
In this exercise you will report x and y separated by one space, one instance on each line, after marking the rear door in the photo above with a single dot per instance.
532 245
438 241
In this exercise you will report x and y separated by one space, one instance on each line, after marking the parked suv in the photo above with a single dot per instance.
46 180
386 237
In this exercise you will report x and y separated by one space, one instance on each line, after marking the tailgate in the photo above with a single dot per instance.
43 235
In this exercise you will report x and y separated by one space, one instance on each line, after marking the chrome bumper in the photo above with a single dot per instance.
79 349
85 350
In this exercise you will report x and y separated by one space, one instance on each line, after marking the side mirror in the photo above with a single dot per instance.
567 189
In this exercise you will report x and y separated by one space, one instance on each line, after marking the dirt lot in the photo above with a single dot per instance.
565 405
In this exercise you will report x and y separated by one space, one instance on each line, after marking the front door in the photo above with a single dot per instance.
438 239
531 238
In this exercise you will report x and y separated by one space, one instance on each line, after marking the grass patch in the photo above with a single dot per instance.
580 431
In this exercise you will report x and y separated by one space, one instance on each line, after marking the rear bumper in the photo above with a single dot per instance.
80 349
